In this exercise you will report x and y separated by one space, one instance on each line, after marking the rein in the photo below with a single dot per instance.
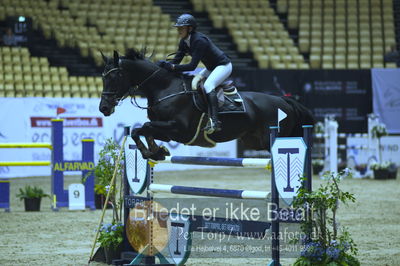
185 91
136 88
132 92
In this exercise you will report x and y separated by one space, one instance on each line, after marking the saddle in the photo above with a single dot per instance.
229 100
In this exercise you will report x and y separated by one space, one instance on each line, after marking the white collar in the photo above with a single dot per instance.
187 40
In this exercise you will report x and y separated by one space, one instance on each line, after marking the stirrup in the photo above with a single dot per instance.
212 127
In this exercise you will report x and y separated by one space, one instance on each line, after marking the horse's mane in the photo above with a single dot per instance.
135 54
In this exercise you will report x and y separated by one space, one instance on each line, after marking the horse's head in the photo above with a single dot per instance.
115 84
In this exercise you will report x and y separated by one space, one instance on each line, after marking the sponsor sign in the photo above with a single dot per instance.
289 156
30 123
136 167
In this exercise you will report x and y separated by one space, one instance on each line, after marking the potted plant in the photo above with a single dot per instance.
110 239
111 234
324 243
385 170
32 197
317 165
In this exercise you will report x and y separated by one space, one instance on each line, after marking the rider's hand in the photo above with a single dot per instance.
161 63
169 66
196 80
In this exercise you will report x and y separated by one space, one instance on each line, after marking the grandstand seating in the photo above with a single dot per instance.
101 25
255 27
342 34
22 75
336 34
332 34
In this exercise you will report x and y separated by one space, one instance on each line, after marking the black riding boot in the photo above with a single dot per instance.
213 124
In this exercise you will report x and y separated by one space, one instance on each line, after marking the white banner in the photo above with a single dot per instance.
27 120
389 146
386 97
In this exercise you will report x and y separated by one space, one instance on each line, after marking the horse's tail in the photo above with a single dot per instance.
303 115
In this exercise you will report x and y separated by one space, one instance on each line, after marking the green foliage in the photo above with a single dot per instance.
104 169
318 162
382 166
111 235
319 128
324 242
31 192
379 131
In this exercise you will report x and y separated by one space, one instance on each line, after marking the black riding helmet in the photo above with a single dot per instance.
186 20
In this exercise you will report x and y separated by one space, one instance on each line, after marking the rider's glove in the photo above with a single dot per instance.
196 80
161 63
169 66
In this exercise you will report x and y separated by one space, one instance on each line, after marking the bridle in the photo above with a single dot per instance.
132 92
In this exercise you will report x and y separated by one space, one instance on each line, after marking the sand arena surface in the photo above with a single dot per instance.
65 238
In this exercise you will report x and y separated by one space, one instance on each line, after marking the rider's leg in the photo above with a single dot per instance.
216 77
202 74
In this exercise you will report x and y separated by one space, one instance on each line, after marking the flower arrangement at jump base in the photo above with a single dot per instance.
385 169
379 131
110 234
325 243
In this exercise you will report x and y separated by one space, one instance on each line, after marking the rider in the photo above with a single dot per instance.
201 48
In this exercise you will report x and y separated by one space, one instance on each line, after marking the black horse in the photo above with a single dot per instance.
174 116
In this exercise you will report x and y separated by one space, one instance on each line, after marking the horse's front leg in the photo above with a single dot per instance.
135 134
151 131
158 152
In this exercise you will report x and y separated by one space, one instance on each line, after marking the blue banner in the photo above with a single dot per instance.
386 97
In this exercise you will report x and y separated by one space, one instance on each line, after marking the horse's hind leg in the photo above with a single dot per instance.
256 140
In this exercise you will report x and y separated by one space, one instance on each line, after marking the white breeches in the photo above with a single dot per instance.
216 77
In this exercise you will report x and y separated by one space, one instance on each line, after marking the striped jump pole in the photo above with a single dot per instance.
25 146
32 163
218 161
210 192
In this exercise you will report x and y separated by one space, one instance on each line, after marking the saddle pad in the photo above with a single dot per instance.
232 104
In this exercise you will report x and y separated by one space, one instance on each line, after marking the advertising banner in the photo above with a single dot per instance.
386 103
389 149
28 120
346 94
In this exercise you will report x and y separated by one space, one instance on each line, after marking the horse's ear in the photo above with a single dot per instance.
116 58
105 59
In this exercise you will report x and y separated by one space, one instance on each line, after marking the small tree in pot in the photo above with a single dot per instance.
32 197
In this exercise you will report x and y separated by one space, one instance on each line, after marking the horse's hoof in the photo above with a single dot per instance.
146 155
160 154
166 151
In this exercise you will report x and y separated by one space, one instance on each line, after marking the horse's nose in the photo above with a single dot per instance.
103 109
